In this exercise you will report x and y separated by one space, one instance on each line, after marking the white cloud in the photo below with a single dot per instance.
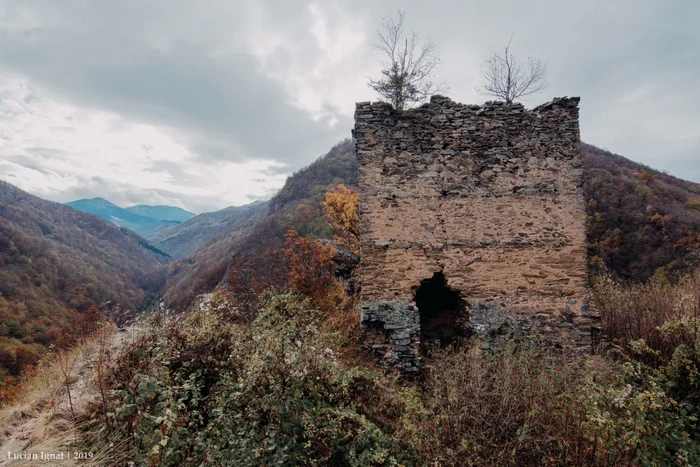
54 150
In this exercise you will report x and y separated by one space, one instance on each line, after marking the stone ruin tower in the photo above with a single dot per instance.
471 217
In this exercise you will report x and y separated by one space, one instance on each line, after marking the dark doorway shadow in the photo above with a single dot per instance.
441 311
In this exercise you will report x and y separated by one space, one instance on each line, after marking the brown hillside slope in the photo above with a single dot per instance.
200 272
639 219
54 259
183 240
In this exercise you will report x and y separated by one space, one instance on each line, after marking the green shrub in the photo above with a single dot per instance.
693 203
201 391
639 420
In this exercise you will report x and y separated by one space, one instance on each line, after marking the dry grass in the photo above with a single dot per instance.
37 420
515 407
652 319
40 418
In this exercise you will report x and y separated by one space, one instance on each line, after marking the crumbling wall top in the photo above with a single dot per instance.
367 108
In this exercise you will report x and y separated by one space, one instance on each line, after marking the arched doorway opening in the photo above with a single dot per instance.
440 308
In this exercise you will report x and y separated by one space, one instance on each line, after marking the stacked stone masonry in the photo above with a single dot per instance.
490 197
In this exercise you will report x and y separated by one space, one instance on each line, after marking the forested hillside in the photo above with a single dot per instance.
310 184
54 259
297 205
639 219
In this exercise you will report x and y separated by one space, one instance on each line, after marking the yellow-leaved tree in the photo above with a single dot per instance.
343 214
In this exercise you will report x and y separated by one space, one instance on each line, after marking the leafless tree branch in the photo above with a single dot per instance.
505 78
408 68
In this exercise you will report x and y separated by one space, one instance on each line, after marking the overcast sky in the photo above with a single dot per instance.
206 104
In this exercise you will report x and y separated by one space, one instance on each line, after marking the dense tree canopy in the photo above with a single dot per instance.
639 220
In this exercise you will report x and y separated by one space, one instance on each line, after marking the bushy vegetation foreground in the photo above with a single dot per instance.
288 389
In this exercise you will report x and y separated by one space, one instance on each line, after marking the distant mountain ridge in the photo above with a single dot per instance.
183 240
142 219
162 213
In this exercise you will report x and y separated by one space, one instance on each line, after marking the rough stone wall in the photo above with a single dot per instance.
488 195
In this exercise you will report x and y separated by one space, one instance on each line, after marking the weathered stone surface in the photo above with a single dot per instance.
491 197
391 332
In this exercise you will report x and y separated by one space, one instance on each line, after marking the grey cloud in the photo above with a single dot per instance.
267 195
224 104
257 198
174 170
45 152
29 162
29 98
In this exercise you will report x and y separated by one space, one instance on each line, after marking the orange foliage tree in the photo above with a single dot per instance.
312 271
341 208
302 264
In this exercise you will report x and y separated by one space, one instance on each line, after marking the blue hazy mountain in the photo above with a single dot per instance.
144 220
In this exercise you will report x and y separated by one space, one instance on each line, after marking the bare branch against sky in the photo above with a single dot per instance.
506 78
409 67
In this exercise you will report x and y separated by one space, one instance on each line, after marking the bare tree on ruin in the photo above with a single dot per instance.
504 77
410 66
